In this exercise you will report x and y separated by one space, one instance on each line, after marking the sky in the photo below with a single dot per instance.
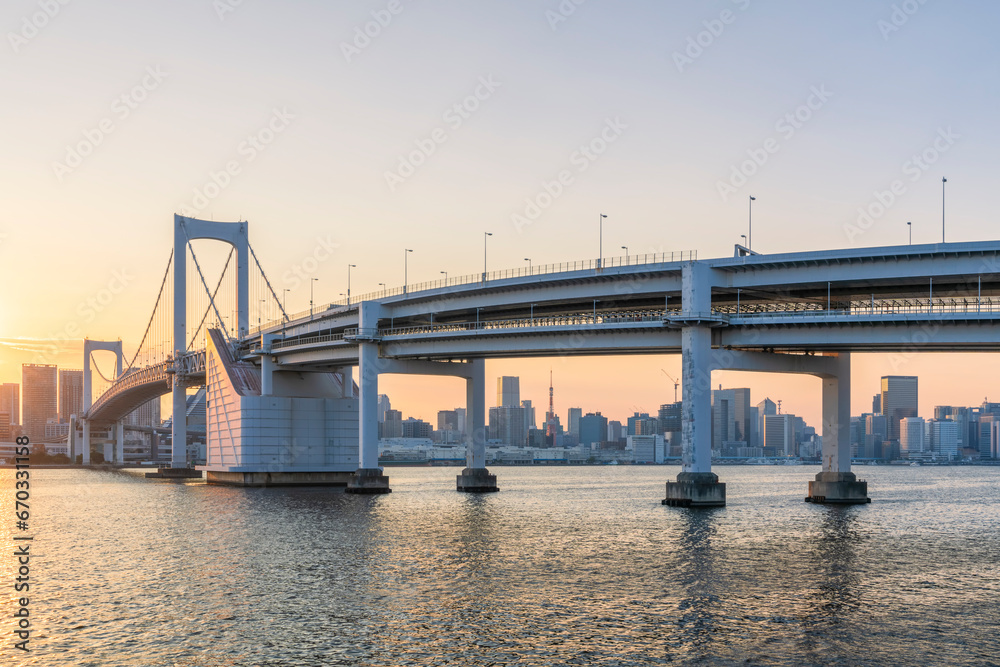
370 127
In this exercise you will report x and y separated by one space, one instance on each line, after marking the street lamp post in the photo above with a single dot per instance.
382 285
750 223
406 256
600 240
625 248
284 311
528 260
262 303
349 267
943 181
909 226
485 236
313 280
445 278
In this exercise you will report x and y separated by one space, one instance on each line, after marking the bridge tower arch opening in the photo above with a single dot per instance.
187 229
89 347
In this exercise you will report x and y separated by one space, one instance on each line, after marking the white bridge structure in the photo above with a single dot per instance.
283 406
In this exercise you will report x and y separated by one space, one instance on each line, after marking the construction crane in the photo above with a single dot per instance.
676 383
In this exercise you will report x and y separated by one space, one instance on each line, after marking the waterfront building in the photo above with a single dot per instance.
70 394
899 401
10 401
943 438
38 383
593 428
573 421
912 442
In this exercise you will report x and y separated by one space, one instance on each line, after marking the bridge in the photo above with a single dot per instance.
284 407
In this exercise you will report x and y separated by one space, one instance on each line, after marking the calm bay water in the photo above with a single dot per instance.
563 566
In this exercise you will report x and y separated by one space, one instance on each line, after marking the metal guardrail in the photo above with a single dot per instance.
343 305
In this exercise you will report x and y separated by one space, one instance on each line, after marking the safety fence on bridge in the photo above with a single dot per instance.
489 276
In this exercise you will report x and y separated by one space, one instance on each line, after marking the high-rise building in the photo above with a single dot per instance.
508 392
670 417
593 428
779 435
147 414
509 425
877 404
899 401
383 405
616 431
392 425
70 394
573 421
38 382
911 437
10 401
529 414
641 423
447 420
741 413
416 428
5 434
876 433
943 438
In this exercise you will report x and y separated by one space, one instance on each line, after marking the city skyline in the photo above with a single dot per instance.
683 113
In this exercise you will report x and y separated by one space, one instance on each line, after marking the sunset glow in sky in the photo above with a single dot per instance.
370 127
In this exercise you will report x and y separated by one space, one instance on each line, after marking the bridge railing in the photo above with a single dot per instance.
580 319
342 305
936 308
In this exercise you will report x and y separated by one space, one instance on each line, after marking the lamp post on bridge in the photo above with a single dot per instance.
943 181
284 310
445 278
406 255
750 223
311 281
262 303
486 236
349 267
382 285
625 248
528 260
600 240
909 226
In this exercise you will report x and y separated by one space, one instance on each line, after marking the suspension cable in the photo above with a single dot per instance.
157 305
261 269
93 363
217 286
205 285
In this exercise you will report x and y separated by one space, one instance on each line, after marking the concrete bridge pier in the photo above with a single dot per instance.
475 478
696 485
368 478
85 444
119 457
836 484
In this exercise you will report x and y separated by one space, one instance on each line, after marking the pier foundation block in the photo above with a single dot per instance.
696 489
257 479
476 480
840 488
368 481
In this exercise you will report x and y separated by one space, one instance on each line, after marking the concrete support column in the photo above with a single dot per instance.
368 421
347 373
85 445
696 408
837 417
696 485
836 484
475 478
178 431
120 442
266 365
368 478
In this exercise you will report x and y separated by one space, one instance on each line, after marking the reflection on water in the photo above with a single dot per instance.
568 566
